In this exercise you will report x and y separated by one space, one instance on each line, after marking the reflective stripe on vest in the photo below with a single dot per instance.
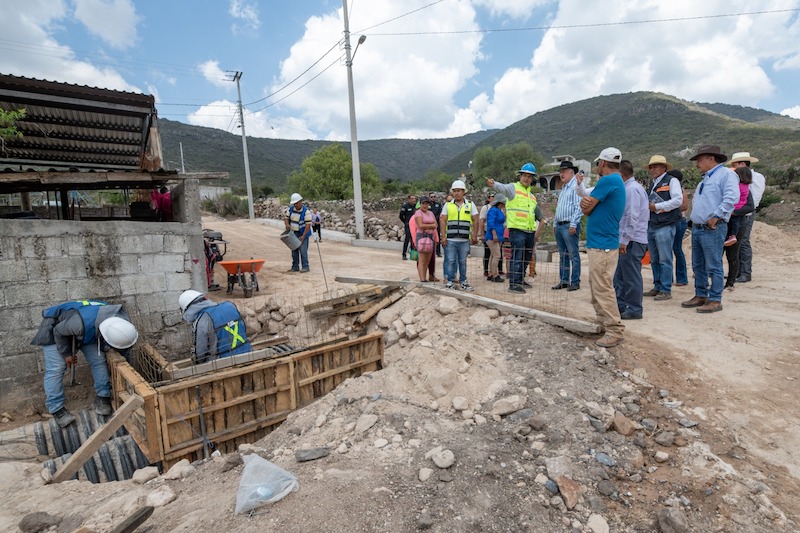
459 220
297 219
521 210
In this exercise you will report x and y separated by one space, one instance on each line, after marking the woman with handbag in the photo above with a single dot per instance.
425 238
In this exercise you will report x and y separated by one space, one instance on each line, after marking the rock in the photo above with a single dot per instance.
160 497
665 438
520 417
672 520
407 317
252 326
649 425
425 520
380 443
143 475
661 457
624 426
479 319
312 454
508 405
391 337
604 459
558 466
541 479
479 419
538 422
365 422
551 486
631 459
445 476
320 421
606 487
570 491
439 382
425 474
38 521
71 524
400 327
448 305
47 475
180 470
597 524
444 459
232 460
342 449
460 403
415 443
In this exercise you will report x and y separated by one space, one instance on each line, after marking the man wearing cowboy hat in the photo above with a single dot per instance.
522 220
744 159
665 199
712 206
567 229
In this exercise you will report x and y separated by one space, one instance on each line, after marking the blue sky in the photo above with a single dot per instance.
427 69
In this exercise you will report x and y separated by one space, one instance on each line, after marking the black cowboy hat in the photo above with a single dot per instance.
567 164
710 149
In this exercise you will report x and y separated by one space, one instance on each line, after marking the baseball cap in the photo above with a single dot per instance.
610 154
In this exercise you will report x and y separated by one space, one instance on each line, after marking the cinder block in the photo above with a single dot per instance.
178 244
178 282
11 271
162 263
19 366
17 341
35 294
142 244
100 288
43 247
128 264
142 283
56 268
10 248
155 303
12 319
75 246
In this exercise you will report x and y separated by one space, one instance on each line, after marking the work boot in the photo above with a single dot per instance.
697 301
608 341
102 405
63 417
710 306
651 292
661 296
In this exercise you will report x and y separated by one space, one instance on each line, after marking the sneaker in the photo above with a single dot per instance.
661 296
102 405
466 287
450 286
292 270
497 279
651 292
730 241
559 286
63 417
526 285
517 289
405 258
304 271
574 287
627 315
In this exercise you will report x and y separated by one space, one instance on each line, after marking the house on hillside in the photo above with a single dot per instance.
548 179
77 144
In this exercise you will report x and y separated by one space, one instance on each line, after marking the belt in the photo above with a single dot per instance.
749 214
704 226
561 223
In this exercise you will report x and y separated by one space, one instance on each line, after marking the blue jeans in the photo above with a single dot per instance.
708 245
681 274
660 242
55 367
455 260
568 254
300 254
522 244
628 279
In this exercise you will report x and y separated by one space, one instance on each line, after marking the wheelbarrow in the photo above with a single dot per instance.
238 273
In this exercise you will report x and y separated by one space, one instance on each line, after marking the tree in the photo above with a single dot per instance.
503 162
784 178
327 174
8 126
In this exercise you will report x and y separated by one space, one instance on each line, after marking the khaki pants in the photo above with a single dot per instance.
602 265
494 257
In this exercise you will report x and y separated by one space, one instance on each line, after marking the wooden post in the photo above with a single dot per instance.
97 439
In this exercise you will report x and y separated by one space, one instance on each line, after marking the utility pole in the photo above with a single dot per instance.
236 77
183 167
357 203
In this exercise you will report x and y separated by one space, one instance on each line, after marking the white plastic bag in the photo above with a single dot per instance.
262 482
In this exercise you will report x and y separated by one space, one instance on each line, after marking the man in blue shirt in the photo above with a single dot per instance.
712 206
604 208
567 229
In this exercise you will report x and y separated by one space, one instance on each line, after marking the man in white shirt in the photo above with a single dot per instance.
744 159
665 199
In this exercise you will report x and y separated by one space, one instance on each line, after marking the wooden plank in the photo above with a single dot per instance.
372 311
573 325
259 384
220 375
176 404
233 391
98 438
232 402
344 298
334 371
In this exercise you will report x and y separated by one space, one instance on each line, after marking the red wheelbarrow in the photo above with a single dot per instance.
238 273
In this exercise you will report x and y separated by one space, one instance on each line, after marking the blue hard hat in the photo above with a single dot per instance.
527 168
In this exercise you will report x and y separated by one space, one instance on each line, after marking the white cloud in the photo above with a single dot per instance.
519 9
114 21
215 75
223 115
245 14
793 112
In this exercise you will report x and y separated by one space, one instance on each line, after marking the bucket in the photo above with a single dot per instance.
646 258
290 239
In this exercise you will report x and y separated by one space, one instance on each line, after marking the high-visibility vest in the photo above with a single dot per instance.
88 310
230 330
297 219
459 220
521 210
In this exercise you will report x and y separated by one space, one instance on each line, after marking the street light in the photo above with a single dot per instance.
357 202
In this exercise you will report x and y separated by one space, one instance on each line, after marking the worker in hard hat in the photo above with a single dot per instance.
458 228
217 328
522 220
298 219
88 326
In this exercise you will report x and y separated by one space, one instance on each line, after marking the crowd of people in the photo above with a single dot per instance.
626 221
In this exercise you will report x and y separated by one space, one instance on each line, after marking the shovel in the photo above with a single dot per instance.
72 381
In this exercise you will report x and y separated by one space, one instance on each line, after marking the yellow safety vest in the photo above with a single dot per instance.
459 220
520 210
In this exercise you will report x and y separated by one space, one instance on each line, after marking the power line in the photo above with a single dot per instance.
306 83
398 17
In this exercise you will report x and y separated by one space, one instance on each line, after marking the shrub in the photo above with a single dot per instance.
227 204
770 197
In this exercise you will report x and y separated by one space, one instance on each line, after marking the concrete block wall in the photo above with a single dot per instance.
143 265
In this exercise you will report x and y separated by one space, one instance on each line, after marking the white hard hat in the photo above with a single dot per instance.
187 298
296 198
118 332
458 184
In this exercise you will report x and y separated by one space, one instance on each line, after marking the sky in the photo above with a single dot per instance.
427 69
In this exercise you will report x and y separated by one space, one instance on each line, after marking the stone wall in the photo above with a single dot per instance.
143 265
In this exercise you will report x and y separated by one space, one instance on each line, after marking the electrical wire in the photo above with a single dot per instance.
306 83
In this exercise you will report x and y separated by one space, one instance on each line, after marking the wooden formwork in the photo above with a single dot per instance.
235 405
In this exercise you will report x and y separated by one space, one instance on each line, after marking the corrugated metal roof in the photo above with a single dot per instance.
75 126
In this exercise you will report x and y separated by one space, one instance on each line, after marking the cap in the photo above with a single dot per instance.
610 154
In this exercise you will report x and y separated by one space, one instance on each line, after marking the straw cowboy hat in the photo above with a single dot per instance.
743 156
658 160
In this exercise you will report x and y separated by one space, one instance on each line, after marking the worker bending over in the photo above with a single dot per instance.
217 328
